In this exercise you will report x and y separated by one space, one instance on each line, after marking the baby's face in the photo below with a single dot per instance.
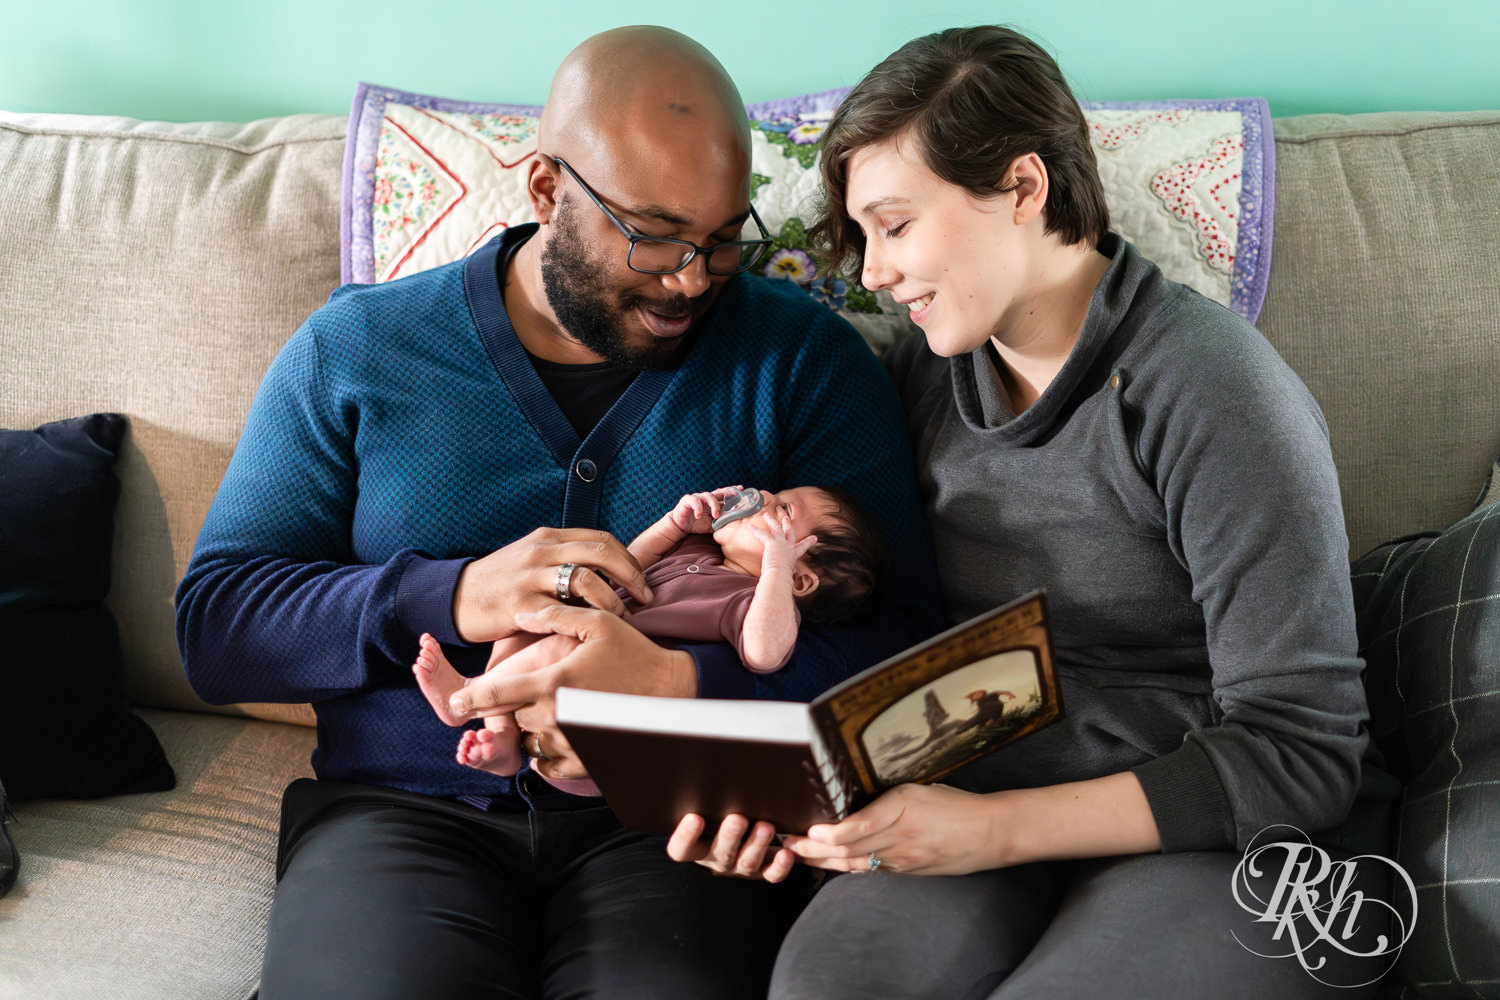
808 507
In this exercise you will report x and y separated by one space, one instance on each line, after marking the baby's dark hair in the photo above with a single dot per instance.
850 560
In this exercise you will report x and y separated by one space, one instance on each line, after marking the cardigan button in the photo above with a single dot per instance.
587 471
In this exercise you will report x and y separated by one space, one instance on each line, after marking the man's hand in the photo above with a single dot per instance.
523 576
590 649
731 853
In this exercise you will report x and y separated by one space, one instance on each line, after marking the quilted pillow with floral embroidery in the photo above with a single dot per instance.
427 180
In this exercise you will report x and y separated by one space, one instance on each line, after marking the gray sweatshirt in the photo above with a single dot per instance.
1174 491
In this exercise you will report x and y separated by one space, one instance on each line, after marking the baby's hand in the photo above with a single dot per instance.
695 513
780 548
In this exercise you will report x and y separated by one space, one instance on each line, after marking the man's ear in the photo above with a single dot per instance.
541 187
804 580
1029 185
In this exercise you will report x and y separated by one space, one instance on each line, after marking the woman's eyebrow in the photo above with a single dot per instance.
870 207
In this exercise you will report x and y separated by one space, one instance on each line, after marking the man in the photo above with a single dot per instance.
401 453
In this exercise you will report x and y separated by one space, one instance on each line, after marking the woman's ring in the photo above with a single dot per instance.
532 744
565 582
874 861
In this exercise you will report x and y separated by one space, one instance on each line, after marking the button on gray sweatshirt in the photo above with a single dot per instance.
1174 491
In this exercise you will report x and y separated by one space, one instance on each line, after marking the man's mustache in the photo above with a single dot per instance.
675 307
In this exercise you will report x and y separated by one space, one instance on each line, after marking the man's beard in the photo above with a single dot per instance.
578 293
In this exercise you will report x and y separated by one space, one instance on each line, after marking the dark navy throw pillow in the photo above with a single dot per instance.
66 730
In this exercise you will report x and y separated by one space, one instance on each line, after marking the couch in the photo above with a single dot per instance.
154 269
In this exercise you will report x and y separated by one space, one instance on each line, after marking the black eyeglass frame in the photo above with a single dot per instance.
690 250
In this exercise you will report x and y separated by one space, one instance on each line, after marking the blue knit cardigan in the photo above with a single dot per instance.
403 431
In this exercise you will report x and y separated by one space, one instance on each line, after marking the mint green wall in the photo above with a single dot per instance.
188 59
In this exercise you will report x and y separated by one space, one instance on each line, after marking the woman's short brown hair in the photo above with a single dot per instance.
972 99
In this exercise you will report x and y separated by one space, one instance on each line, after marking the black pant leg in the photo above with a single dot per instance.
387 894
624 921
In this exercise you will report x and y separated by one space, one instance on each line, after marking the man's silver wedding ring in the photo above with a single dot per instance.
565 582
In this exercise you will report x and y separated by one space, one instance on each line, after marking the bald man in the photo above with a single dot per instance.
456 453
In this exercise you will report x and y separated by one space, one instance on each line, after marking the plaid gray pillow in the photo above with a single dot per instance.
1429 627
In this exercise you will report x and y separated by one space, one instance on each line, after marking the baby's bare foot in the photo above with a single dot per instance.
437 679
488 751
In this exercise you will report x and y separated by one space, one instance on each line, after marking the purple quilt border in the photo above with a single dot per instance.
1252 266
825 100
1252 261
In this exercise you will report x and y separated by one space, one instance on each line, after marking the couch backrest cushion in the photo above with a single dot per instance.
154 270
1385 297
203 246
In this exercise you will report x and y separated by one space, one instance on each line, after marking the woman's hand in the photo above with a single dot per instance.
940 830
524 576
731 852
917 829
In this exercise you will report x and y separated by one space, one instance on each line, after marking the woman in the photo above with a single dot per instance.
1084 424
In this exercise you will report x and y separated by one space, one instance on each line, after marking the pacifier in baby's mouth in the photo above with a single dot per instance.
738 504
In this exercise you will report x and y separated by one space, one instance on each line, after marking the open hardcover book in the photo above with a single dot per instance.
912 718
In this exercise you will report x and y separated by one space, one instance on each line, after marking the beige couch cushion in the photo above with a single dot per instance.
1383 297
203 247
157 896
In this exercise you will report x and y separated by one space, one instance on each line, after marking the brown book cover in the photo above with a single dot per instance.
912 718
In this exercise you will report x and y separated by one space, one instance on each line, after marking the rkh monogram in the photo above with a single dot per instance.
1315 909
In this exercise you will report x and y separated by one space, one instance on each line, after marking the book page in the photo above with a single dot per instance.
921 715
839 792
769 721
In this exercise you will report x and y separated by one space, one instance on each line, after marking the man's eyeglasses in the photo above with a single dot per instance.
656 255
